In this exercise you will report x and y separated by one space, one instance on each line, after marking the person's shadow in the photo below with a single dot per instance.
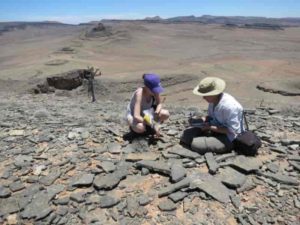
148 135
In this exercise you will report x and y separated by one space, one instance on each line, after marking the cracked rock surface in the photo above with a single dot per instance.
64 160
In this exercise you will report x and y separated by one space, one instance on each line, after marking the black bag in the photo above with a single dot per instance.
247 143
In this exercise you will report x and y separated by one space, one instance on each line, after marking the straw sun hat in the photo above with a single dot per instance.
210 86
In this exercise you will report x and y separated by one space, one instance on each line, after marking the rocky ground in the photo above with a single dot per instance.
64 160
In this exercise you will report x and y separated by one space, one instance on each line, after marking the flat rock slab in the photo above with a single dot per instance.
213 187
167 205
107 182
177 172
236 201
78 197
232 178
13 204
51 177
174 187
23 161
132 206
185 153
4 192
107 166
211 162
17 132
16 186
279 149
178 196
246 164
108 201
294 158
283 179
83 180
247 186
156 166
115 131
110 181
224 157
134 157
172 132
274 168
144 200
39 207
295 164
114 148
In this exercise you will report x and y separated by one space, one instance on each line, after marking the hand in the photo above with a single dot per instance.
206 127
157 132
210 128
139 119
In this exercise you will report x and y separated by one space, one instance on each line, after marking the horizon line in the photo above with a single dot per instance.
132 19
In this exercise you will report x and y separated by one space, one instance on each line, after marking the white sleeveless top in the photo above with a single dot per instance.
144 104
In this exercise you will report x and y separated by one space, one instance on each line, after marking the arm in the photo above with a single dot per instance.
159 103
221 130
230 123
137 107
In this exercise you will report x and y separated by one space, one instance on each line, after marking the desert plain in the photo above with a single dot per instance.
244 58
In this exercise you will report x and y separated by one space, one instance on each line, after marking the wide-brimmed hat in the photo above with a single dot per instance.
210 86
152 81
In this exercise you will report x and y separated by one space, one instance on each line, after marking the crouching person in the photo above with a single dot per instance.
145 106
223 123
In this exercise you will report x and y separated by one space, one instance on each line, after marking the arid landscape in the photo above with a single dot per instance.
125 50
65 160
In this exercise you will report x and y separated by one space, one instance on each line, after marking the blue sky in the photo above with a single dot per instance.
76 11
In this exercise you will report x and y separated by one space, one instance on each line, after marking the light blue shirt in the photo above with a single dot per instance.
228 113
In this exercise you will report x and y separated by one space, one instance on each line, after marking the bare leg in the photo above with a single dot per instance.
136 127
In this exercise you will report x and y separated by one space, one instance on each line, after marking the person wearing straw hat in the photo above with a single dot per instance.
145 106
223 122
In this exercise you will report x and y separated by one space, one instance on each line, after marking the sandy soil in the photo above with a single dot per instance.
243 57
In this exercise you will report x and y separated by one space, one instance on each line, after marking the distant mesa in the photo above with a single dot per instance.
191 18
97 29
11 26
51 22
155 18
249 22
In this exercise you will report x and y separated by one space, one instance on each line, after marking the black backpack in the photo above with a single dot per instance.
247 142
